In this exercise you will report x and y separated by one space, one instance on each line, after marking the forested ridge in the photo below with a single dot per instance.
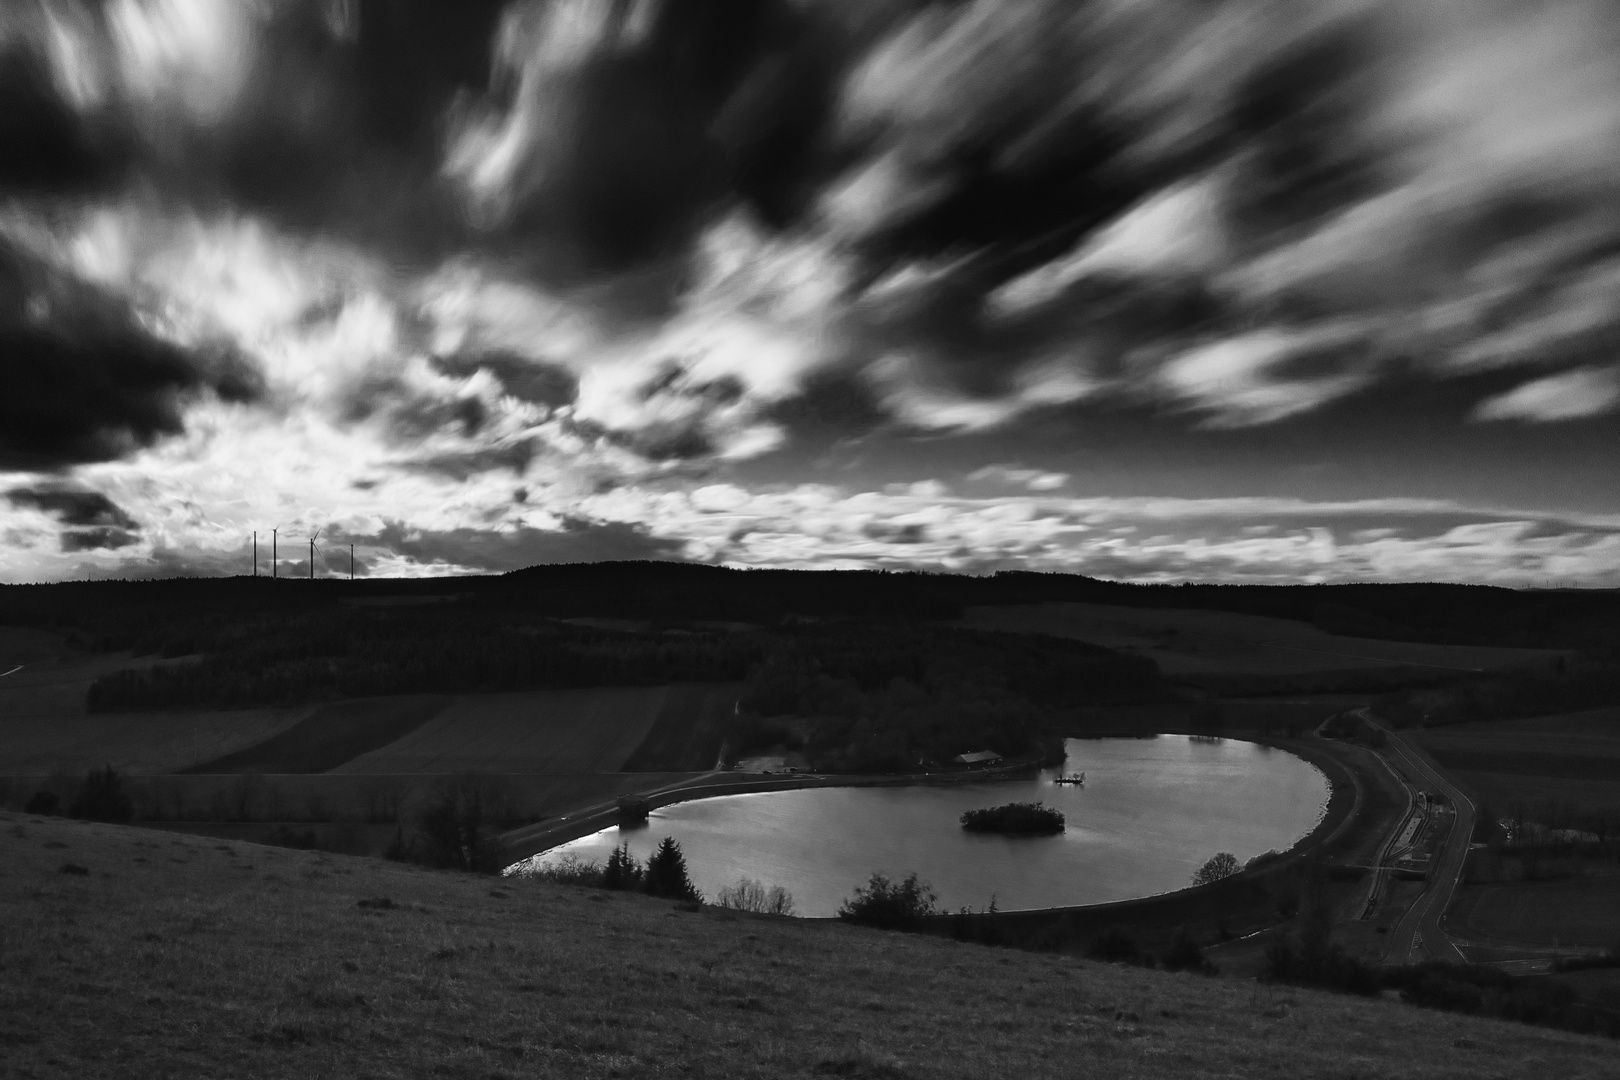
126 614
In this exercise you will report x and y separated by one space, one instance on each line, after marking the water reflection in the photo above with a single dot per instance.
1151 811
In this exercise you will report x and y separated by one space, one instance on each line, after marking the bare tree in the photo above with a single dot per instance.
1223 864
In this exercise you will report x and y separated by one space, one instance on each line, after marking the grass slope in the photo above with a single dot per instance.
687 734
332 735
539 731
174 956
134 742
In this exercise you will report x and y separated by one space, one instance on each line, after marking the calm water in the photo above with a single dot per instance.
1151 812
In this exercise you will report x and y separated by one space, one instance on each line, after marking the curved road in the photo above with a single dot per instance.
1419 935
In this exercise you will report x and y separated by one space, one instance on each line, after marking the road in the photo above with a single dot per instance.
1419 935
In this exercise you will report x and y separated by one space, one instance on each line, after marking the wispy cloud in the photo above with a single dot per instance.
307 262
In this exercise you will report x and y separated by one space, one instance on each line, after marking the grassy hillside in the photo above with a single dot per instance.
131 953
541 731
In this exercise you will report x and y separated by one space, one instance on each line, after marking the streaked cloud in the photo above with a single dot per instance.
1566 396
381 268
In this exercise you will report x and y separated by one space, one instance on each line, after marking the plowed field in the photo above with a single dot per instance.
540 731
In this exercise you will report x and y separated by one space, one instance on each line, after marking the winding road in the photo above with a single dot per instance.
1419 935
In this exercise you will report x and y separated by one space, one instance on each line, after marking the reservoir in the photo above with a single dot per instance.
1149 814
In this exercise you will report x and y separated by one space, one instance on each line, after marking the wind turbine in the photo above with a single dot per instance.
312 540
275 559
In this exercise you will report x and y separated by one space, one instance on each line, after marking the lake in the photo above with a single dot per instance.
1151 812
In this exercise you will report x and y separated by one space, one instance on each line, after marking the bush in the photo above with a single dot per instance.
43 802
890 905
750 895
1309 959
568 869
1185 955
1115 947
103 797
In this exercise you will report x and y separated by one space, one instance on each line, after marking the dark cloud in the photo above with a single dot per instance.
48 147
97 539
341 121
73 506
529 380
1298 128
673 112
84 381
92 520
467 464
832 403
410 414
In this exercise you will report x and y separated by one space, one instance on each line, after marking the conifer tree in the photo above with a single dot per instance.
666 873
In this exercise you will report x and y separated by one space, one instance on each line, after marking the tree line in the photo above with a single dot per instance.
890 698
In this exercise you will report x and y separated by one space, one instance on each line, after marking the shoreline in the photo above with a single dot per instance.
1339 810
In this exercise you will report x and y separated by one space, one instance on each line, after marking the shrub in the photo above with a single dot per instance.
890 905
666 873
568 869
43 802
1223 864
750 895
1185 955
103 797
1115 947
1309 959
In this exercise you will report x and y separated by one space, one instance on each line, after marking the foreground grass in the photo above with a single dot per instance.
135 953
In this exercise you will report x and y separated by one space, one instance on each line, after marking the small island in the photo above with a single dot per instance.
1017 819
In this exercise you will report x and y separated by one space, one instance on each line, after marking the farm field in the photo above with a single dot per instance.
1578 911
686 736
539 731
1197 642
331 735
134 742
1571 759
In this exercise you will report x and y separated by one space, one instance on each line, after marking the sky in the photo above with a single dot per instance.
1266 291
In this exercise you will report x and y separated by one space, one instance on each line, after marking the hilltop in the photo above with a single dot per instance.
136 953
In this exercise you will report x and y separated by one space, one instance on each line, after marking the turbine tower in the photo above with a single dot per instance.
275 559
312 540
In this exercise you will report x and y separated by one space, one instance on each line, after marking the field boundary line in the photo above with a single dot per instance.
1359 656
